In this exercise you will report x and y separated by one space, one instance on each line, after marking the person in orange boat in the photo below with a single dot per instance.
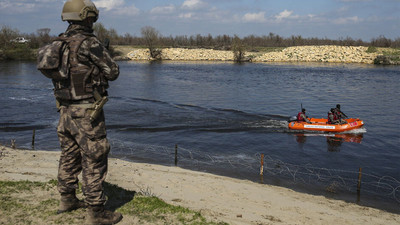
301 116
340 115
332 117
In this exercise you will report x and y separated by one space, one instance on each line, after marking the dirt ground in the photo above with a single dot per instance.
218 198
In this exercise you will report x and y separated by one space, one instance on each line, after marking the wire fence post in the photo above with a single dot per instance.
33 139
359 183
262 168
13 145
176 154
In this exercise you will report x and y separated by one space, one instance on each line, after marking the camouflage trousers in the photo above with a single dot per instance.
84 148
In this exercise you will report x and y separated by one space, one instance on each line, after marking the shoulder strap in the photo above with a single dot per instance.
74 43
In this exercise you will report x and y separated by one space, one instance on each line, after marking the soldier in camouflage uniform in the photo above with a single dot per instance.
83 139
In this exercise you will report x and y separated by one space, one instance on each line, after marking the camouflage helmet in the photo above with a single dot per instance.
79 10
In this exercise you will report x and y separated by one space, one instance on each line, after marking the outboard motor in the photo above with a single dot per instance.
293 118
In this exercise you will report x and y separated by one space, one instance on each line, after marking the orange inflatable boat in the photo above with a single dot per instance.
319 124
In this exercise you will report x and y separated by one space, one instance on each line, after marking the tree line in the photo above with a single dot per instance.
151 37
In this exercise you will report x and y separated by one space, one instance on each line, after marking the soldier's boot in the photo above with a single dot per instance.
70 202
97 215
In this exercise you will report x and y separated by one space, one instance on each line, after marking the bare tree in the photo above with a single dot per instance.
381 41
100 31
108 37
151 37
43 36
238 49
43 32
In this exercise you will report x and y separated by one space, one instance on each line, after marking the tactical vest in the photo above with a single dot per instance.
79 84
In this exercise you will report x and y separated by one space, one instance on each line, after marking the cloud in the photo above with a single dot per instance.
186 15
347 20
193 4
127 10
343 9
284 15
254 17
109 4
163 9
118 7
311 16
46 1
11 7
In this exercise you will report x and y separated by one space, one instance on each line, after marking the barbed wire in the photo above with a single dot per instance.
333 180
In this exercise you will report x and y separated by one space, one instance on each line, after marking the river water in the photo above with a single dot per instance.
221 118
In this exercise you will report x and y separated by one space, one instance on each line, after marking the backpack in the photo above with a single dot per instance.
53 59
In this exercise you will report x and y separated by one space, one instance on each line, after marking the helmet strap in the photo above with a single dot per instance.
88 22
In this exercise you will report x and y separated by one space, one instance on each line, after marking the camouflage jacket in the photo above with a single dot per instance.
91 66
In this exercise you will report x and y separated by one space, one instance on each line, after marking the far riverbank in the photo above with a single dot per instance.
322 53
325 53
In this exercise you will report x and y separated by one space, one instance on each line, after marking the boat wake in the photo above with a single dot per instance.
361 130
160 116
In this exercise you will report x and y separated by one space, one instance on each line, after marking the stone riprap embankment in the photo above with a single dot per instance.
328 53
183 54
333 54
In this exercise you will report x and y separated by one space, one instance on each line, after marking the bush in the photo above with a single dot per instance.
19 52
387 60
371 49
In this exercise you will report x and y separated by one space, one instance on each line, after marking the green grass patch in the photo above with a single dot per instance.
150 208
372 49
8 187
391 51
153 209
265 49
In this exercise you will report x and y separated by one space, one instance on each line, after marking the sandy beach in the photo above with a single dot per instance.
218 198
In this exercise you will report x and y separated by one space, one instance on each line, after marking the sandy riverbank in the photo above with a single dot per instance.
220 198
325 53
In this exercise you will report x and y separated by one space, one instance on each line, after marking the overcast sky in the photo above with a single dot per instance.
334 19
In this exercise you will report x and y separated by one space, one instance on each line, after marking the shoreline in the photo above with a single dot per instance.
220 198
293 54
